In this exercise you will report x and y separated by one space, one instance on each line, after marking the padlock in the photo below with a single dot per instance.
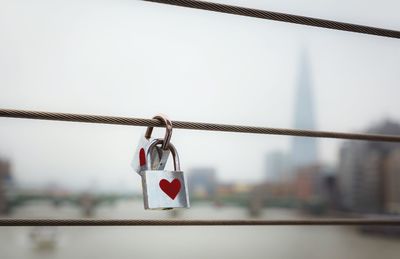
164 189
159 155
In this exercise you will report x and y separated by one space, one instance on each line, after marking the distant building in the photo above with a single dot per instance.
283 167
304 149
278 167
202 182
308 183
364 172
392 183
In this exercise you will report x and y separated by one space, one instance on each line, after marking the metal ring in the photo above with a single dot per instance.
168 132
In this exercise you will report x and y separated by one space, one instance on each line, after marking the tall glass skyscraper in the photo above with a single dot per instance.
304 150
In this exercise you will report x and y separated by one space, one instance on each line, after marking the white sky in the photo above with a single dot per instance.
132 58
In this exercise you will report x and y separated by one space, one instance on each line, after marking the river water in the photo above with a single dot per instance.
188 242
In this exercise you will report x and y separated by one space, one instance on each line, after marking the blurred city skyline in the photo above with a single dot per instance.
130 58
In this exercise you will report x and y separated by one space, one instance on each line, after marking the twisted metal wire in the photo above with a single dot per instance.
282 17
144 222
39 115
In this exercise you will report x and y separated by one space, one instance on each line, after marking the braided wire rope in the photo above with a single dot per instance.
144 222
39 115
282 17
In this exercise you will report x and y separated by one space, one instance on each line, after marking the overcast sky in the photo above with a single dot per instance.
132 58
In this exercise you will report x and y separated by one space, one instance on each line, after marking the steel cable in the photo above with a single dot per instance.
39 115
8 222
282 17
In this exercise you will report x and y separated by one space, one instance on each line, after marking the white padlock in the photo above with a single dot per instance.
160 152
164 189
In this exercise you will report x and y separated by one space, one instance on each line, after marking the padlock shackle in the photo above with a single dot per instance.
168 131
171 147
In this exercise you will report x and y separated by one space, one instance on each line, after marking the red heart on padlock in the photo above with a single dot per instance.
170 188
142 157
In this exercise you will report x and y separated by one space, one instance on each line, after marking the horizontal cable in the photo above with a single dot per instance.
191 125
282 17
145 222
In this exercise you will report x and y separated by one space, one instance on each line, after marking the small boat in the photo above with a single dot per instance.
44 238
